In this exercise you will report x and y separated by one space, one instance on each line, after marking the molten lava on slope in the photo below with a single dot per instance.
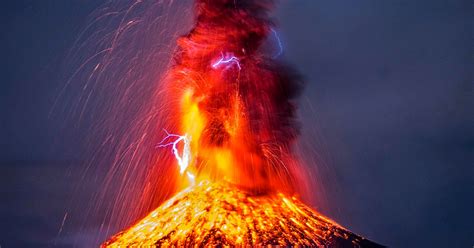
217 214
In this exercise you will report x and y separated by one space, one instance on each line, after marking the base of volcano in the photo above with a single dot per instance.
212 214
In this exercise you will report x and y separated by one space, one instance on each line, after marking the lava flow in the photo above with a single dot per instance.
218 215
232 130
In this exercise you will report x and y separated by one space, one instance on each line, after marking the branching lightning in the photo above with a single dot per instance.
185 157
227 59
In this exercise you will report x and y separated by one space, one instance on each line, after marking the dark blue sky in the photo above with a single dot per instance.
388 108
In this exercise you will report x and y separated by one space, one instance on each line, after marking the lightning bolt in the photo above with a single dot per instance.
185 157
226 59
280 46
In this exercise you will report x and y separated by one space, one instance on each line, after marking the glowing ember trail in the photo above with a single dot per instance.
234 123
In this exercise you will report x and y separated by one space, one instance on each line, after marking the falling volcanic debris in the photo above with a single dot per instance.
232 131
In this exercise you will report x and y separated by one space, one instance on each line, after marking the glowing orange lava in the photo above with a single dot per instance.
220 215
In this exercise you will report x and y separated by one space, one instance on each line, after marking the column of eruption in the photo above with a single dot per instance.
235 102
233 137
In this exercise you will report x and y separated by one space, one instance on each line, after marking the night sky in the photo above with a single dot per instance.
388 108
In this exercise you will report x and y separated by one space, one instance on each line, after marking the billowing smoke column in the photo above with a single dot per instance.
235 102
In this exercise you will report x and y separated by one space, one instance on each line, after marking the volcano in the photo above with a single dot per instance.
230 108
221 215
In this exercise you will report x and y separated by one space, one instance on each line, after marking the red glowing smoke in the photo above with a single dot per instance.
244 96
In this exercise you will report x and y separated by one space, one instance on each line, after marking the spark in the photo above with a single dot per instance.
280 46
60 228
227 59
185 157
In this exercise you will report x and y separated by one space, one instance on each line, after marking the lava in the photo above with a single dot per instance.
218 215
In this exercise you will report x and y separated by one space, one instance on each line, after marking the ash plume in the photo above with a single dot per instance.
246 96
